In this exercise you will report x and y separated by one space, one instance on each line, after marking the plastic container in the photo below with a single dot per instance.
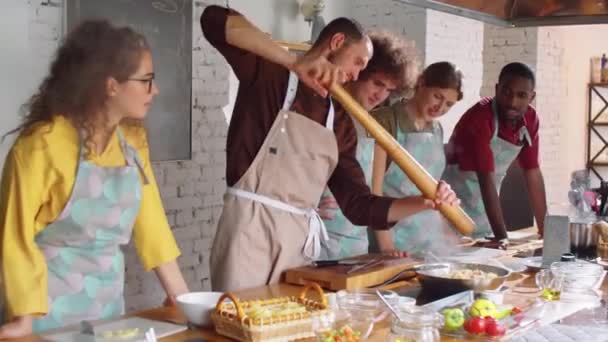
418 324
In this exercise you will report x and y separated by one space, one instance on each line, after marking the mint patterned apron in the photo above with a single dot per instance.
346 239
414 234
82 247
466 184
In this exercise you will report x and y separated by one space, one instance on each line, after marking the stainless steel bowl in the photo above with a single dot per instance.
436 276
582 235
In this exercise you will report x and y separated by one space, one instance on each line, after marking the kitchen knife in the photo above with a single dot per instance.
325 263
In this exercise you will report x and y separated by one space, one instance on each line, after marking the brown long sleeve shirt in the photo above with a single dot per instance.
262 89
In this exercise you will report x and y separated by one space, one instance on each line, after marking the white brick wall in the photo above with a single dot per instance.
460 41
551 97
505 45
191 190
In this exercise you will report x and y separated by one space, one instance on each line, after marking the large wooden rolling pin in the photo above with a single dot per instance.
416 173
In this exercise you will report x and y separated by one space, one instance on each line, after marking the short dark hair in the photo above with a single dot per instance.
443 75
517 69
349 27
394 56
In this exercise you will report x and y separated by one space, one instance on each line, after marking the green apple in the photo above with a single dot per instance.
453 318
483 308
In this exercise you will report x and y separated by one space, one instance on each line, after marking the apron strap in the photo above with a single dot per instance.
329 124
524 135
292 87
131 155
496 123
316 226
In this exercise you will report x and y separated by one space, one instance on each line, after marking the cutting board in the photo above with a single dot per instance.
161 329
335 277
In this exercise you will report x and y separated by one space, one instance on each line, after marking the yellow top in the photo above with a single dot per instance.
37 181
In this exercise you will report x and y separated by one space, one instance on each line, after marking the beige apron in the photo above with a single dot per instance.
269 222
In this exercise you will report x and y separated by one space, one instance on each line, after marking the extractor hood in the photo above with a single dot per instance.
520 13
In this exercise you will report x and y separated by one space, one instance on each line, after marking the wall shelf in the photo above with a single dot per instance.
598 159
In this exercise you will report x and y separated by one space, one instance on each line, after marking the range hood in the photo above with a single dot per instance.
521 13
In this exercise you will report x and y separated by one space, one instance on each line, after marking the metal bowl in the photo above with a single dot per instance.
436 277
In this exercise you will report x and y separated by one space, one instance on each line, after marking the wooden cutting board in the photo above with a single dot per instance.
335 277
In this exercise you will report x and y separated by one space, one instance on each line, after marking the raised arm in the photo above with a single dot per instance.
242 43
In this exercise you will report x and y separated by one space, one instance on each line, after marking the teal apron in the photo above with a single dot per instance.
415 234
466 184
82 247
346 239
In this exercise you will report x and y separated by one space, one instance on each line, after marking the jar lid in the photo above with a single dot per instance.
567 257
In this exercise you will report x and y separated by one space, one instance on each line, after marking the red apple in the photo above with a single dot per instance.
475 325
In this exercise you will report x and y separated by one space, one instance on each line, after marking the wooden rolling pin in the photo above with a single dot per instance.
416 173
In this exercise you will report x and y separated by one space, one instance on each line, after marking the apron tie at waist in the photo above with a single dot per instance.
316 231
316 226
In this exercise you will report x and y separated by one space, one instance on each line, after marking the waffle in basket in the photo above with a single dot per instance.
276 319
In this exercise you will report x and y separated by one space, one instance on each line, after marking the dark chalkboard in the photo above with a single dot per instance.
167 25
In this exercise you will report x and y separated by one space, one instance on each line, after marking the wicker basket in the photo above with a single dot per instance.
230 318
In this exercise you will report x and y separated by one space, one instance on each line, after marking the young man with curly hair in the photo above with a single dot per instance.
392 70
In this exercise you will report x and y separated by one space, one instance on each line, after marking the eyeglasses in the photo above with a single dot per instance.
144 80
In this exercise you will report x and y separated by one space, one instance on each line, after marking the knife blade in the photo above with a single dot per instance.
324 263
371 263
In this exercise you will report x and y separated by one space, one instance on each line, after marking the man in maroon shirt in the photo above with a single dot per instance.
486 140
285 143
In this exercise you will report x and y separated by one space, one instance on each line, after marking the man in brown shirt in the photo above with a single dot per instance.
285 142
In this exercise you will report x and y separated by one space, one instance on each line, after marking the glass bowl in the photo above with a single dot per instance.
579 276
340 326
364 304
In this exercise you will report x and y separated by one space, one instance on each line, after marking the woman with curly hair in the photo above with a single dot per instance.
78 182
414 124
391 70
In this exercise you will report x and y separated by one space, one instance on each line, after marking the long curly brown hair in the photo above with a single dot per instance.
75 87
396 57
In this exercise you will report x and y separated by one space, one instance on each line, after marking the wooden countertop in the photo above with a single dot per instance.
523 281
519 281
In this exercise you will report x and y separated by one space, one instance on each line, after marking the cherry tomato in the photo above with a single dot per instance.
494 328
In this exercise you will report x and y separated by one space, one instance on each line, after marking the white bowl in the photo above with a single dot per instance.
197 306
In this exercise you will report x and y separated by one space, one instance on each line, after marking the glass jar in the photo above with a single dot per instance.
416 324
